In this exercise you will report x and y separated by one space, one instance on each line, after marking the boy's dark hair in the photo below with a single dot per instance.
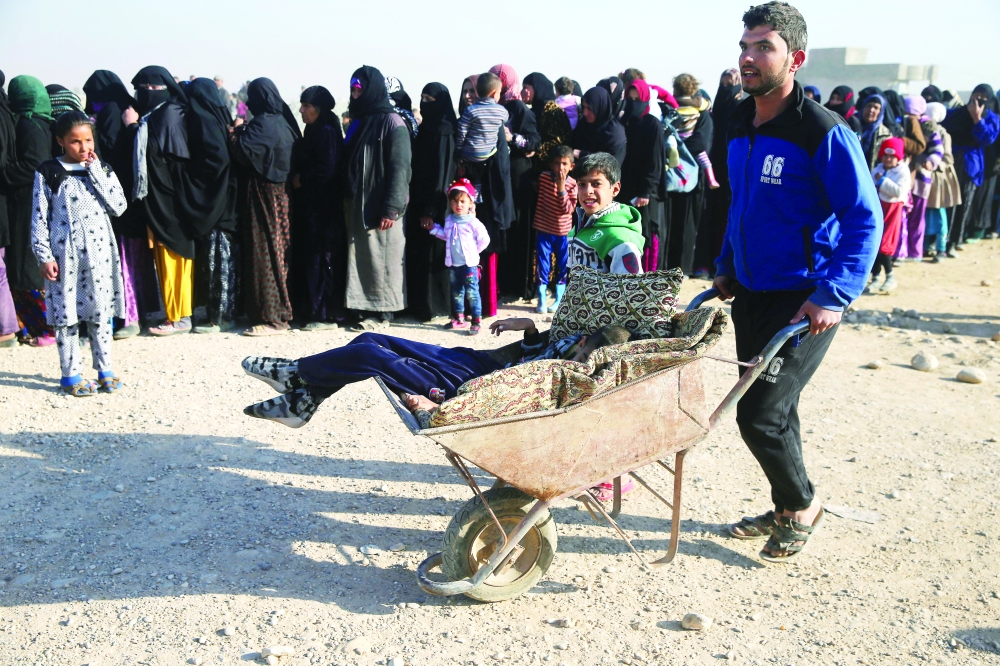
487 83
605 336
560 151
67 121
564 86
604 164
783 19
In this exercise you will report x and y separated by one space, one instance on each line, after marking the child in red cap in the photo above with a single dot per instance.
892 179
465 237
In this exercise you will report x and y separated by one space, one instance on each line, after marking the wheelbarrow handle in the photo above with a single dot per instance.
701 298
760 363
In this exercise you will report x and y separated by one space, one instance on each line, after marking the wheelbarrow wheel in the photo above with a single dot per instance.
472 537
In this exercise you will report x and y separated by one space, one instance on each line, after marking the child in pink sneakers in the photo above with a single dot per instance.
465 237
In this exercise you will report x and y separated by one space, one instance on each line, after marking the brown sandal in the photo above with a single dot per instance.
754 528
791 537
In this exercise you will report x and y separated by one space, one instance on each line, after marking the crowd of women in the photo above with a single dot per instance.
952 151
262 223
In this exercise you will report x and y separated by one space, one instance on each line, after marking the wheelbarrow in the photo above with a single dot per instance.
503 540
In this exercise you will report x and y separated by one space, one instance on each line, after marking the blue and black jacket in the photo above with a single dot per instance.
805 212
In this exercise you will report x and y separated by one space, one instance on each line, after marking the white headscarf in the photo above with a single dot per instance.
936 111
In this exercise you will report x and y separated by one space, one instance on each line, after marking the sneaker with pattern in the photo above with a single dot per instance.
281 374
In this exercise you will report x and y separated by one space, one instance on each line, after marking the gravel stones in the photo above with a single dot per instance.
359 645
696 622
971 376
924 362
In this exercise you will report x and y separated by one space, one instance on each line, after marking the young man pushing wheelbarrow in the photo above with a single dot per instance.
803 231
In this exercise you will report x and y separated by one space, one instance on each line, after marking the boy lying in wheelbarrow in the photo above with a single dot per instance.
607 237
409 368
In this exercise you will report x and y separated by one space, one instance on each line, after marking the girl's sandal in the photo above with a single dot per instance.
754 528
81 389
109 384
790 537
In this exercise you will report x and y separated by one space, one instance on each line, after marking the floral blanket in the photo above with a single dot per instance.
543 385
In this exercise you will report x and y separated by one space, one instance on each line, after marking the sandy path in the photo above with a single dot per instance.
135 528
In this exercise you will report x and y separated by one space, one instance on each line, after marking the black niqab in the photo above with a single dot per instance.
897 108
932 94
209 199
605 134
147 100
104 87
439 115
374 99
845 93
544 92
267 139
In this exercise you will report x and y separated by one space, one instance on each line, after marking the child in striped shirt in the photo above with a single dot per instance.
479 129
552 223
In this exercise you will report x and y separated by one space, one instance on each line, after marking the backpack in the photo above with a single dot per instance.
684 176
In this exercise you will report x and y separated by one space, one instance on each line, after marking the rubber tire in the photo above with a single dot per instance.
472 519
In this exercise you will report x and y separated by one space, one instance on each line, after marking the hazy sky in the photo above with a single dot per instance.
312 42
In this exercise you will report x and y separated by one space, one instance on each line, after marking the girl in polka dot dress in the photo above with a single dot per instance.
75 247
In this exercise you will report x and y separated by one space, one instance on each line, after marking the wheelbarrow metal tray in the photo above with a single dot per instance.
558 452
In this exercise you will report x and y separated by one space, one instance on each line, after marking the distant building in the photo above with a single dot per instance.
828 68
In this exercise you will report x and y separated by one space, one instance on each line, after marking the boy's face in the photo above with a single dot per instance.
890 161
461 204
561 166
595 192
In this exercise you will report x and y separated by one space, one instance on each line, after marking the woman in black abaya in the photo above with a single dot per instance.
598 130
157 131
107 99
428 280
263 148
319 243
210 200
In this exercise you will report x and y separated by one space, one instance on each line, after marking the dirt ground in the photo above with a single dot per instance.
161 526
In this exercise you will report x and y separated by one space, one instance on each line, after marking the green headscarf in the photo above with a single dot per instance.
28 97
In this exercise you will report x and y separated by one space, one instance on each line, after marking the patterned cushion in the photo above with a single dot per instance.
643 303
543 385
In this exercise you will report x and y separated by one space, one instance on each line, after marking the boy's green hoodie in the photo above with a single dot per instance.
610 241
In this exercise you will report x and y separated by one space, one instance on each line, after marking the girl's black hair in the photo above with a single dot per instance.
69 120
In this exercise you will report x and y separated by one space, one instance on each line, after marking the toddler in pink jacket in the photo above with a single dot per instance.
465 237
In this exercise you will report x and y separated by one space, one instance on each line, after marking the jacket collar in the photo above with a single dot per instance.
790 116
